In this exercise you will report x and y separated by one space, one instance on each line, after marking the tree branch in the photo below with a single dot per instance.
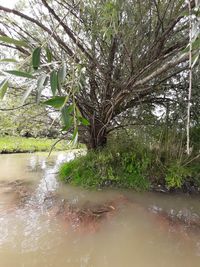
9 109
67 30
56 37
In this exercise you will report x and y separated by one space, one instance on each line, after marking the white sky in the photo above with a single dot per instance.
8 3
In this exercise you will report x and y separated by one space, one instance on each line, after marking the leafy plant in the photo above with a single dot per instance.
176 175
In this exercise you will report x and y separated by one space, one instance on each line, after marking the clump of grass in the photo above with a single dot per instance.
13 144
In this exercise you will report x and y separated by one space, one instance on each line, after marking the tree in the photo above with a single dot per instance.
102 57
30 120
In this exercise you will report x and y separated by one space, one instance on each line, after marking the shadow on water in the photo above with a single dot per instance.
45 224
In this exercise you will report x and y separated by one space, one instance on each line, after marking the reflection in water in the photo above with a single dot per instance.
133 237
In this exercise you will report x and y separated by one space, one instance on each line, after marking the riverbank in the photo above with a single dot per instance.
134 166
13 144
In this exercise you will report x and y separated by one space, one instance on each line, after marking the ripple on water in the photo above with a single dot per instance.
134 236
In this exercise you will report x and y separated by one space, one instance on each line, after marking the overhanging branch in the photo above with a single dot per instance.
67 30
39 24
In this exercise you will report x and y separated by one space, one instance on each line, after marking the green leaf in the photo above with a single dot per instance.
83 121
9 40
56 102
54 82
62 73
66 117
36 58
20 74
195 59
70 109
3 88
12 60
40 86
185 13
75 136
1 83
49 54
26 94
196 44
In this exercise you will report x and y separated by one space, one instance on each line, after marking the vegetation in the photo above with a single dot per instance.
112 67
14 144
122 168
29 121
133 164
104 61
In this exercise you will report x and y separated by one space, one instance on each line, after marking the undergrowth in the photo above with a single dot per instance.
132 164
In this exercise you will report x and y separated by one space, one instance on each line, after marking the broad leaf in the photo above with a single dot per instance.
56 102
70 109
9 40
36 58
20 74
83 121
54 82
75 136
48 54
62 73
66 118
40 86
3 88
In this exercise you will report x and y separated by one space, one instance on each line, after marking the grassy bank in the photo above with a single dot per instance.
133 165
11 144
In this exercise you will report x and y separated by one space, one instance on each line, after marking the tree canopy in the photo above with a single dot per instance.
98 61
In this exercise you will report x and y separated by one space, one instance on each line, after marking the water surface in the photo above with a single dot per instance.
133 237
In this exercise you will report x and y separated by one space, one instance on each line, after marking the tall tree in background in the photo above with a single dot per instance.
102 58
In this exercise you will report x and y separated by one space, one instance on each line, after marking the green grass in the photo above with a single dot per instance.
12 144
107 168
132 164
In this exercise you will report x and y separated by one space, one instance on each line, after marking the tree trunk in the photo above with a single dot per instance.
97 135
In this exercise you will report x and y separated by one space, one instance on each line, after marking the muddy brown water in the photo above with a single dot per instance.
29 237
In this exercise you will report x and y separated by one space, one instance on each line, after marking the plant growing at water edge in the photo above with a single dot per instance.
176 175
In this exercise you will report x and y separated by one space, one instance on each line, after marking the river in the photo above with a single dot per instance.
33 236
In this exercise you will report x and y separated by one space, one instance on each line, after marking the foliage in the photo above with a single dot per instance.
31 121
22 144
176 174
105 168
106 58
132 163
